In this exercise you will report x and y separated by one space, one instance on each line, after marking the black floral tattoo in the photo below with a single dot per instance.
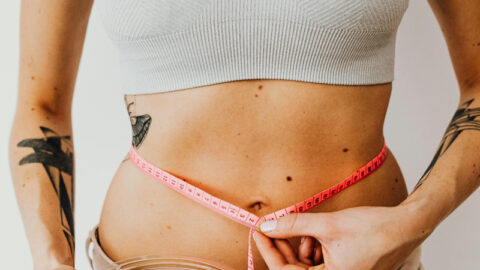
55 153
140 124
463 119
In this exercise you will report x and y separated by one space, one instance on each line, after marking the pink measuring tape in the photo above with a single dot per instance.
240 215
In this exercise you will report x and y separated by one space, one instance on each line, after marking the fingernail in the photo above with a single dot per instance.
302 239
254 235
268 226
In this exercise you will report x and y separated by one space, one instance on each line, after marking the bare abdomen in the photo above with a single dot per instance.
259 144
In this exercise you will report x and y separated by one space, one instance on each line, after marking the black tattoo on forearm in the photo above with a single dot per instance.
463 119
55 153
140 124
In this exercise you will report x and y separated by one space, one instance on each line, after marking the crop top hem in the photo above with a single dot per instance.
256 49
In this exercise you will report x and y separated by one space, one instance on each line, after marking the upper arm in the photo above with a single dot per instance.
460 24
52 34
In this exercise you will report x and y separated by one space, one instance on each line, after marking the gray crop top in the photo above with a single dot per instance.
167 45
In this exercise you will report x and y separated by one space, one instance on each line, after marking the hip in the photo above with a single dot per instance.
141 216
100 261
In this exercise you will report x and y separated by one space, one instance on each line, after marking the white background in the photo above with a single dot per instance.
424 98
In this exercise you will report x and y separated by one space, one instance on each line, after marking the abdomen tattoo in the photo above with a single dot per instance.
140 123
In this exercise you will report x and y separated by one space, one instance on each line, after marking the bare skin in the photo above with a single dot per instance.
260 144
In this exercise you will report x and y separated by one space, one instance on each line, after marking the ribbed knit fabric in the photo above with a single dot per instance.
168 45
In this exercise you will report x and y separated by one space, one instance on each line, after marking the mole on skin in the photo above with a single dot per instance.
345 149
260 87
289 178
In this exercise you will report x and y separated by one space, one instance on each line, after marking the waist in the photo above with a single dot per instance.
142 216
250 135
260 157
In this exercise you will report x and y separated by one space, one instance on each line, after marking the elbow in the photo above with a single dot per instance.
50 109
30 115
470 85
47 110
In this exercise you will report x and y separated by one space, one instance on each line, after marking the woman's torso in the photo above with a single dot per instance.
259 144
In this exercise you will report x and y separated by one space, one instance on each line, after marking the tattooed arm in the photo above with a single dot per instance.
41 144
453 173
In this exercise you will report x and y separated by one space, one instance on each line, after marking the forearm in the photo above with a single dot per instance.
453 173
52 35
42 167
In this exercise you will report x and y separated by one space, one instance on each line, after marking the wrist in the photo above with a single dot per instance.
53 260
420 215
53 266
414 219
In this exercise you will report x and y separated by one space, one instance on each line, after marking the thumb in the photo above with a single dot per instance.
296 224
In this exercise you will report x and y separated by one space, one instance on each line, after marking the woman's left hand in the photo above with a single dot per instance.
359 238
